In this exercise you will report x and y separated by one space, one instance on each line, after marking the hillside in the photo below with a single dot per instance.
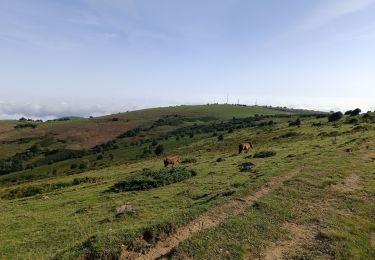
306 189
86 133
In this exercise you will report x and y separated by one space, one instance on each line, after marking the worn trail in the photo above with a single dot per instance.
210 219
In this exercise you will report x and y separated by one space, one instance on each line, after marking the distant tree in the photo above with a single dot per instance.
220 137
348 113
335 117
99 157
356 112
154 143
73 166
191 135
115 119
111 157
159 149
230 130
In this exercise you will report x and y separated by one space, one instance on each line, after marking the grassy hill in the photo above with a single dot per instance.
85 133
310 192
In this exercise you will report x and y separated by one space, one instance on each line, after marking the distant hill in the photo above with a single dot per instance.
81 133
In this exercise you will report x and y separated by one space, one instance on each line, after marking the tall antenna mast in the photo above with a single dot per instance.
227 98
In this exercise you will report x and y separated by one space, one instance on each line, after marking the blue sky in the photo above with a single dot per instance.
82 57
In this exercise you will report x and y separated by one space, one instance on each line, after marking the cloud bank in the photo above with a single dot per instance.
50 110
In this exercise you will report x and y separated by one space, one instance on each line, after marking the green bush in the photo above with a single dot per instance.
335 117
264 154
297 122
159 149
148 179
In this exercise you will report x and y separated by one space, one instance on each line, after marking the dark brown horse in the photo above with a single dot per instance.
171 160
245 147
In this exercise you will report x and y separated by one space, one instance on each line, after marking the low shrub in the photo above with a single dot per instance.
297 122
25 125
335 117
264 154
149 179
159 150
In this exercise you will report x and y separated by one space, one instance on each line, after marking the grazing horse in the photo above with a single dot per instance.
171 160
245 147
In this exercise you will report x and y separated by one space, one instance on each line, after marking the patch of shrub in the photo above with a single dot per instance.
352 121
335 117
149 179
297 122
159 149
25 125
84 164
220 137
264 154
130 133
246 167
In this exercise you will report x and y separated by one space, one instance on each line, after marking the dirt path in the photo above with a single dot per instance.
211 218
301 235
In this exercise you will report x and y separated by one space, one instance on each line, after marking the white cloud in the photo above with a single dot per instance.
49 110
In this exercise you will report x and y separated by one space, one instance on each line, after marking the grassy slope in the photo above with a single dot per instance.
62 220
86 133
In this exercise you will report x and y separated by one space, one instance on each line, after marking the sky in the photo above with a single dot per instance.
93 57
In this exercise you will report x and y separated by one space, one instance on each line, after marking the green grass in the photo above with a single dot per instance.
72 217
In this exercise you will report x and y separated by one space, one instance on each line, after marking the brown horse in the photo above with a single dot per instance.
245 147
171 160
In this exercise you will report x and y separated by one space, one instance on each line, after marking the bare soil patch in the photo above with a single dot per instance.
301 236
349 184
212 218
